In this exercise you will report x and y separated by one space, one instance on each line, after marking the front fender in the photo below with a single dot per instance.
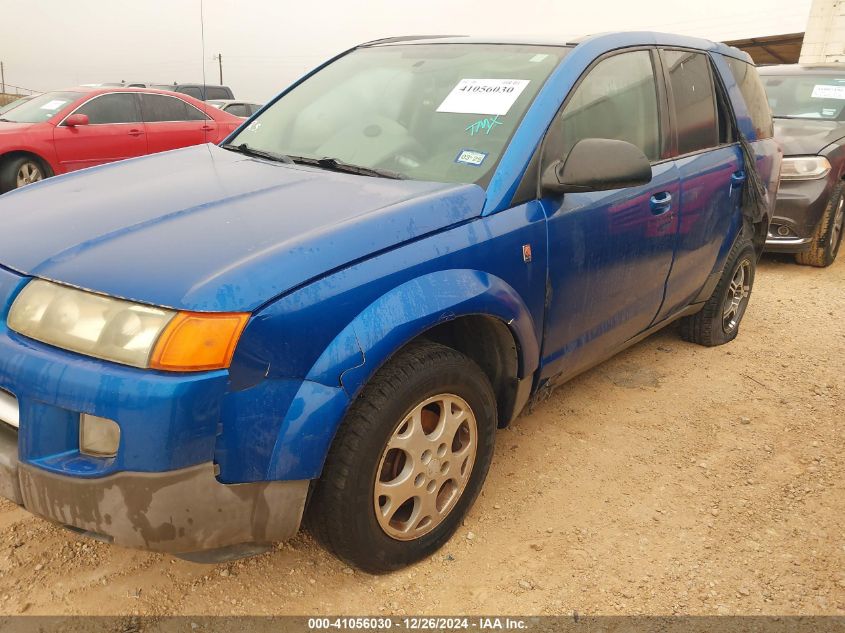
409 310
373 336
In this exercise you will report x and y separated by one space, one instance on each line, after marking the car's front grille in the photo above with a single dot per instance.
9 410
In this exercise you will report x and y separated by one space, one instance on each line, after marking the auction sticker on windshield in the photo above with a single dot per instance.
483 96
820 91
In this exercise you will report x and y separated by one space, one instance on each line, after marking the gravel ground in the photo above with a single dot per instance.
671 479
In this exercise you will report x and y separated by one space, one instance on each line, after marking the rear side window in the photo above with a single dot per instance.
695 102
160 108
212 92
754 95
616 100
119 107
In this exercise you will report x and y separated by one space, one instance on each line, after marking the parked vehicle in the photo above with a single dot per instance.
60 132
14 104
332 312
233 106
807 104
203 92
200 91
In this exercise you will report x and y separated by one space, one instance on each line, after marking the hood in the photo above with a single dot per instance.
207 229
804 137
7 127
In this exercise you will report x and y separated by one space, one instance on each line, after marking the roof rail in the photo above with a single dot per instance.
406 38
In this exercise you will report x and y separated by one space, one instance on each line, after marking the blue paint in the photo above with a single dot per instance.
339 271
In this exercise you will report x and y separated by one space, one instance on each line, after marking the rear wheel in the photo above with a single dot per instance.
19 172
718 321
408 461
828 236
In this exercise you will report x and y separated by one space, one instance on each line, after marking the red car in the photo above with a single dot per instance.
59 132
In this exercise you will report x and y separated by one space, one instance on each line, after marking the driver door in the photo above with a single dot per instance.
114 132
610 252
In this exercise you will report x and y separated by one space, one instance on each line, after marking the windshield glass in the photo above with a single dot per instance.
439 112
806 96
40 108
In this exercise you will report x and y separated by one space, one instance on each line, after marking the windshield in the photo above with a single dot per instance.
439 112
806 96
40 108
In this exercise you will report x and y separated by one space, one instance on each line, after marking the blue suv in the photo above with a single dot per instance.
329 315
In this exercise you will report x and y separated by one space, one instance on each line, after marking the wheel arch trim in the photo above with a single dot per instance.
386 326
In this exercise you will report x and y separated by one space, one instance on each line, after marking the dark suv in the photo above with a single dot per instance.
808 105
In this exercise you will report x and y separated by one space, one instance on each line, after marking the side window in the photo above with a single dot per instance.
754 96
156 108
196 115
616 100
213 92
695 101
119 107
238 109
191 91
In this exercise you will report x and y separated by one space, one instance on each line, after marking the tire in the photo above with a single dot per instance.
718 321
376 532
828 236
20 171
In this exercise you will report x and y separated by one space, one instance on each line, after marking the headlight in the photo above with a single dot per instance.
125 332
804 168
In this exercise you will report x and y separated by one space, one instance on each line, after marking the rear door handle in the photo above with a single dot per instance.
737 178
207 128
135 132
661 202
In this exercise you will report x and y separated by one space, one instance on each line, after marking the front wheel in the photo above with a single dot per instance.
718 321
828 235
19 172
408 461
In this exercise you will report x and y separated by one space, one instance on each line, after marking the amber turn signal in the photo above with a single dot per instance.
196 341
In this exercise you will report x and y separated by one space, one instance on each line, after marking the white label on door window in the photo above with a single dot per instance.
821 91
483 96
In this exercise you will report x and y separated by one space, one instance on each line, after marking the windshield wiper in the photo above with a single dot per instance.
335 164
6 120
245 149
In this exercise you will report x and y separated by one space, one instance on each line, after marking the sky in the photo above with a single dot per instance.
266 44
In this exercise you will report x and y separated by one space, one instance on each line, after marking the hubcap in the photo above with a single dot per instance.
28 173
425 467
838 221
737 296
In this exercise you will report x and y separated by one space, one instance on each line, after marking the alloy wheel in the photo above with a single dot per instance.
737 297
28 173
425 467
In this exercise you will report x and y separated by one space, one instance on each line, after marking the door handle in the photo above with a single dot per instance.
207 128
135 132
661 202
737 178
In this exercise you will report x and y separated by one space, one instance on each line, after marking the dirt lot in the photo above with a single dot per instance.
672 479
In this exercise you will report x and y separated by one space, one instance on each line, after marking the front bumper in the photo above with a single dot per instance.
162 490
181 512
799 209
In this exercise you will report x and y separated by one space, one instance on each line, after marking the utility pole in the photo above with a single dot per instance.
3 79
219 58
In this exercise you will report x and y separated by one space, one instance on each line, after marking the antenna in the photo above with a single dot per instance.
202 44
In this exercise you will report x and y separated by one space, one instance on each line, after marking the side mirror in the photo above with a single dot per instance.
76 119
597 164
